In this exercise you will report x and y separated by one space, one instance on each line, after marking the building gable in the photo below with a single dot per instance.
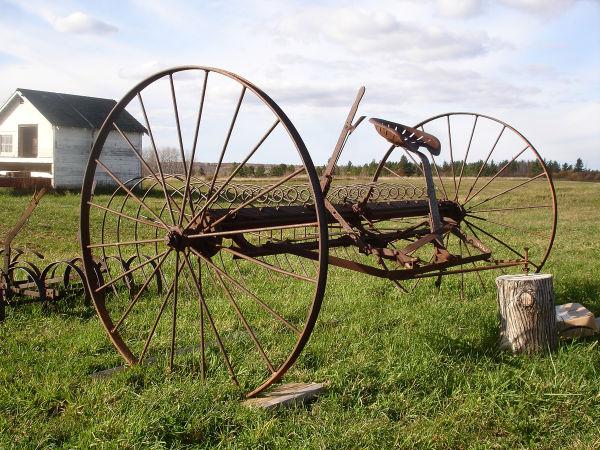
77 110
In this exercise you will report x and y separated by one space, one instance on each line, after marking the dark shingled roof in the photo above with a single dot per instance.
78 111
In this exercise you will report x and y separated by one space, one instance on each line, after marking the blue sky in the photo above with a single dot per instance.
534 64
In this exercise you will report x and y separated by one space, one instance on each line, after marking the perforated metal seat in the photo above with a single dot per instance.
406 137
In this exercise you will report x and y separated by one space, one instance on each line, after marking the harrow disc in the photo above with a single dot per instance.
176 281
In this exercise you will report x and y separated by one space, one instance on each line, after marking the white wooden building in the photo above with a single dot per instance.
45 135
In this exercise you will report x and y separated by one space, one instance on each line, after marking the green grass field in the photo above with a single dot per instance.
403 371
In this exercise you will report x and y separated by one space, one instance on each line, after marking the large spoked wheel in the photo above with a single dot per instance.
188 273
500 187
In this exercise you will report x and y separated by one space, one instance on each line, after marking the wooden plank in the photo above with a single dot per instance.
286 395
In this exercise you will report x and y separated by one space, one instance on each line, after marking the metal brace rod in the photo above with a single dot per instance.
346 131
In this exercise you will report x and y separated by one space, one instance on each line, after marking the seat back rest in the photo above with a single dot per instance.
407 137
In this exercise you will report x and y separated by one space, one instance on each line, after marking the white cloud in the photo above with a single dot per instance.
461 87
459 8
141 71
363 32
544 8
80 23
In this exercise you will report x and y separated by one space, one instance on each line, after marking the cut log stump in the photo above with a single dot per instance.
527 313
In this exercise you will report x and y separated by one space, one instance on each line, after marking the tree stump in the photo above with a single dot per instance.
527 313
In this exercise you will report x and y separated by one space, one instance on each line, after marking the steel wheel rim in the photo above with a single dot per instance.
448 186
308 169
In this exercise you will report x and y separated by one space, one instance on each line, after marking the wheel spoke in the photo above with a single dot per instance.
124 274
256 197
477 272
118 244
268 266
508 190
495 176
215 196
200 309
158 165
176 289
193 155
246 291
151 224
472 225
141 291
509 226
176 112
451 157
465 158
414 160
245 323
439 177
399 176
509 209
112 175
484 164
160 311
204 307
225 144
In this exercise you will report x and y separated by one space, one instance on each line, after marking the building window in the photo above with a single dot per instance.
6 143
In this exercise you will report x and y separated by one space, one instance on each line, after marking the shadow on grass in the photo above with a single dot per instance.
577 290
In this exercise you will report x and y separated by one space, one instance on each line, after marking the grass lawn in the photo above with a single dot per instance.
403 371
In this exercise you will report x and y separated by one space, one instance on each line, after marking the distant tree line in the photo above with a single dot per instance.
170 159
407 168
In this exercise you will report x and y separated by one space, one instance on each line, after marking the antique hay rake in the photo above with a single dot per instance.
22 281
239 270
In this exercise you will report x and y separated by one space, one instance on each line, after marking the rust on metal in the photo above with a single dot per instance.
243 248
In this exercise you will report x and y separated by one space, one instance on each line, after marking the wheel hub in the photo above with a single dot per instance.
179 239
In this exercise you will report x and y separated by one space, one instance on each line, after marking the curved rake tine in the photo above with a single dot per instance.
419 279
396 282
211 277
240 273
477 272
267 270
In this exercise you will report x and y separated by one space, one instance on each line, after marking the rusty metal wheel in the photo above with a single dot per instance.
197 280
499 184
